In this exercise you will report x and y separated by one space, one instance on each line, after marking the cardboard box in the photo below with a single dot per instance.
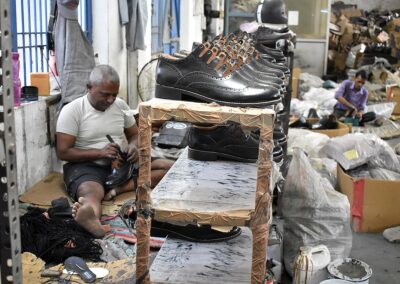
296 82
374 203
342 129
393 95
41 80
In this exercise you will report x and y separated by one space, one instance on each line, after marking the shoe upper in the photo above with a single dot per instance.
228 138
121 173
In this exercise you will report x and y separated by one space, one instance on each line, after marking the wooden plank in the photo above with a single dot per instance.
217 263
162 110
218 192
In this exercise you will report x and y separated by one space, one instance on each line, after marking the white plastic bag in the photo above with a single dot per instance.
353 150
314 213
384 109
310 142
326 167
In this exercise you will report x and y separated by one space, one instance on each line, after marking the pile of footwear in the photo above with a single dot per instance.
230 70
239 70
351 29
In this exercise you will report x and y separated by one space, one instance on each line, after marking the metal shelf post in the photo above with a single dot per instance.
10 241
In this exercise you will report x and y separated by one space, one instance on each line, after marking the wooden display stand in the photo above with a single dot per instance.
157 111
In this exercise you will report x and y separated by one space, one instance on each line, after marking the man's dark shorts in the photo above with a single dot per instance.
77 173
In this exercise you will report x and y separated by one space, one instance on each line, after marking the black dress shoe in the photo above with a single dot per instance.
277 153
60 208
329 122
226 141
312 113
301 122
206 75
269 52
202 234
268 36
121 174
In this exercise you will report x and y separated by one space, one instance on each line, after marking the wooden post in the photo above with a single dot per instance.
259 222
143 222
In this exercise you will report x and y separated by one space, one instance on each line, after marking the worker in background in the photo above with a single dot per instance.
352 98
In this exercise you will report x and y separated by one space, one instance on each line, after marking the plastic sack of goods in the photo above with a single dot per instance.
314 213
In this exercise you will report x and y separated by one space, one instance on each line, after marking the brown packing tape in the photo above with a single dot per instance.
143 223
233 218
206 113
260 242
143 248
259 222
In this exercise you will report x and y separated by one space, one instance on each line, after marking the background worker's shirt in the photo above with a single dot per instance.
356 98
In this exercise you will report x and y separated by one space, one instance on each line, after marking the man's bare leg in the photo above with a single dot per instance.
84 215
87 211
129 186
159 168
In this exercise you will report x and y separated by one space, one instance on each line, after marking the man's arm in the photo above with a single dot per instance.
67 152
131 134
342 100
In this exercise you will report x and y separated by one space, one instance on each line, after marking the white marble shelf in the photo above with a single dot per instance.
181 262
217 193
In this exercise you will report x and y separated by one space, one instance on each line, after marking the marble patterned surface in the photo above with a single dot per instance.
199 186
182 262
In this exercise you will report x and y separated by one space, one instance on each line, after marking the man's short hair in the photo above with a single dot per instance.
362 74
102 73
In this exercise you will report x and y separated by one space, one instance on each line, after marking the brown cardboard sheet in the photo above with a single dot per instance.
52 187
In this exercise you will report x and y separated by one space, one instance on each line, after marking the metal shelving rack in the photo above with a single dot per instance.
10 241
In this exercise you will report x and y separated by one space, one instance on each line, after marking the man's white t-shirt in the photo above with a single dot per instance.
90 126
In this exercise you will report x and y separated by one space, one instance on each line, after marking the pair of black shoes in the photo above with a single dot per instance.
226 141
328 122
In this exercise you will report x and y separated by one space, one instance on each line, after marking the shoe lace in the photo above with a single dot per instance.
216 52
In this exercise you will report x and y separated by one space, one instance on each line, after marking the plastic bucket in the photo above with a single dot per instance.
351 270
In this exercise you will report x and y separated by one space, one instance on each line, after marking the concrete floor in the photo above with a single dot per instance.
381 255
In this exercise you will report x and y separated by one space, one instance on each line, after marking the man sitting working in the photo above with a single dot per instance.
81 141
352 99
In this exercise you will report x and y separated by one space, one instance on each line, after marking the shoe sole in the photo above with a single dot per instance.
200 155
171 93
160 231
